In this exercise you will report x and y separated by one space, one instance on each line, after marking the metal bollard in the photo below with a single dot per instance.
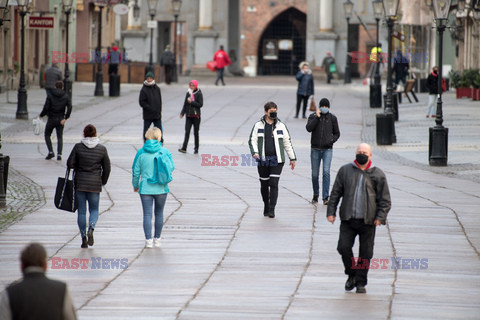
4 162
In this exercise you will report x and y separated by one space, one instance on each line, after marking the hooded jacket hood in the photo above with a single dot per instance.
90 142
152 146
58 92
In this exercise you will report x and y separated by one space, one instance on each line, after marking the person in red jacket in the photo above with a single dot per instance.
222 60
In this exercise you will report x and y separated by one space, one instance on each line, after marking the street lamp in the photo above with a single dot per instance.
376 87
152 10
348 9
386 121
98 55
176 6
22 112
438 135
67 83
3 11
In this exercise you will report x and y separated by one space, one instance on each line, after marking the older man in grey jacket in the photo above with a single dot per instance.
52 75
365 205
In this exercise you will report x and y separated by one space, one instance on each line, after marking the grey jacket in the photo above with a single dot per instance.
52 75
376 188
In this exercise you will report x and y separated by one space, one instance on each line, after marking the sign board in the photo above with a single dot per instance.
270 49
120 9
152 24
398 35
40 22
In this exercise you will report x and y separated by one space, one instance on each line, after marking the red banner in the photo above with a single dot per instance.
40 22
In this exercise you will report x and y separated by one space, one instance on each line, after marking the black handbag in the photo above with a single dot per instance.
65 197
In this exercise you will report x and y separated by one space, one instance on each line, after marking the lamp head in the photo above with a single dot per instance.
348 9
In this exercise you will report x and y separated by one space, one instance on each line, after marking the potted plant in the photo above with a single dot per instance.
464 85
454 76
476 87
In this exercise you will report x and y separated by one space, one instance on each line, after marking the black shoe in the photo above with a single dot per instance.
182 150
84 242
265 210
325 201
195 151
50 156
59 157
90 237
315 198
271 213
350 284
304 117
361 288
296 117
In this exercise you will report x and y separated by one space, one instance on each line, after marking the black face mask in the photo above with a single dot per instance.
435 72
273 115
361 158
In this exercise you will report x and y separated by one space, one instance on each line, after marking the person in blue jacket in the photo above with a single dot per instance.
151 171
305 87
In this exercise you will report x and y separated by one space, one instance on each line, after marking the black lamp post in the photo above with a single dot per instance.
348 9
98 55
386 121
176 6
438 135
67 82
152 11
3 11
22 112
376 87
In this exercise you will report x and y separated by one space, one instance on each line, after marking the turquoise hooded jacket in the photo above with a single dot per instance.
143 168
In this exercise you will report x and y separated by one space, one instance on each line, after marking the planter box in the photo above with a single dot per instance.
464 92
476 94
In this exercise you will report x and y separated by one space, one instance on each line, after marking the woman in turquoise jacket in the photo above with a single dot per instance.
151 173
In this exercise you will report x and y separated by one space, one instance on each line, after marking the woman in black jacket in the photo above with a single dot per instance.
91 163
191 108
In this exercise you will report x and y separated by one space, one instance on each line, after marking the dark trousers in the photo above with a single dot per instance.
156 123
168 73
53 123
348 231
189 121
220 76
300 99
269 172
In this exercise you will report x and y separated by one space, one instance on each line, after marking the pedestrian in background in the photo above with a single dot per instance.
151 163
432 86
151 102
268 141
222 60
92 168
401 66
52 76
191 109
365 205
325 132
167 60
36 297
329 65
57 108
305 87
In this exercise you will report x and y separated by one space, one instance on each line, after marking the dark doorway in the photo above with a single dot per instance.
164 32
282 45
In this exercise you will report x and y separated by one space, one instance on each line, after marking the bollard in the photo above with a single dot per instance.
114 86
385 125
4 162
375 96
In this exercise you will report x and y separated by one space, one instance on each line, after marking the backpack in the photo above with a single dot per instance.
162 168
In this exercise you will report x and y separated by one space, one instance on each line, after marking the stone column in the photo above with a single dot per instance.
133 24
326 15
205 15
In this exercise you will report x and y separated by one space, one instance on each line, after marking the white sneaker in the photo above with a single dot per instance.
149 243
156 242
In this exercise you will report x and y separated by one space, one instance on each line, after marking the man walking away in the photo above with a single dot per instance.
52 76
58 108
150 100
365 205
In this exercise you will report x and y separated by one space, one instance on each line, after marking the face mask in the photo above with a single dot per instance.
324 110
361 158
436 72
273 115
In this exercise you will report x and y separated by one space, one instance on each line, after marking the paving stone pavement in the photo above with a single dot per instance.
220 258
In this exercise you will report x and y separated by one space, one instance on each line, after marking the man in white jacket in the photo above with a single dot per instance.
268 142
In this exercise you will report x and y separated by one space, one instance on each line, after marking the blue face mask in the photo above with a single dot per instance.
324 110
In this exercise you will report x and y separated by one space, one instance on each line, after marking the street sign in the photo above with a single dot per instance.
152 24
120 9
40 22
400 36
